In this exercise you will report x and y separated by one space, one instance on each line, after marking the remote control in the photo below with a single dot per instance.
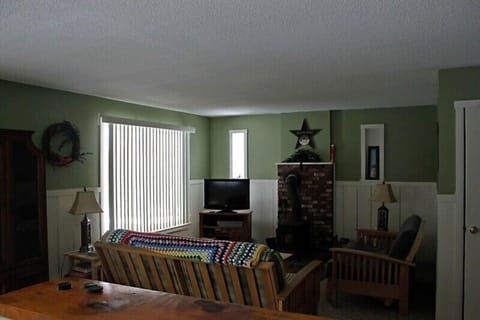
64 286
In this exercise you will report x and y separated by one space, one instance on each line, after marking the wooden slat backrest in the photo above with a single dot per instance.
416 243
252 287
239 297
142 272
117 260
376 238
150 262
269 285
194 281
365 269
179 276
132 271
152 270
167 276
222 284
207 281
107 271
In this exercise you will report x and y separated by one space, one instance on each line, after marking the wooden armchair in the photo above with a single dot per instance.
382 271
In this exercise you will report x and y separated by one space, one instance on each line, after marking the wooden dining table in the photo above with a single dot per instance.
45 301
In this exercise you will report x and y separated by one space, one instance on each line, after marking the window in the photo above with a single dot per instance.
144 175
238 153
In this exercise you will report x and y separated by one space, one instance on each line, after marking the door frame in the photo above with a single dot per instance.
458 291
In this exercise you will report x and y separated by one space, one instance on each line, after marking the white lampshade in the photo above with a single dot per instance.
84 203
383 193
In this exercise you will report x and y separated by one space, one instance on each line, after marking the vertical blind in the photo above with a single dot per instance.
147 176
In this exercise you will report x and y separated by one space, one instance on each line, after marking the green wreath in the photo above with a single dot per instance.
304 154
61 144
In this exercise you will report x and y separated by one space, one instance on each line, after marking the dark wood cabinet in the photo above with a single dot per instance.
23 225
226 225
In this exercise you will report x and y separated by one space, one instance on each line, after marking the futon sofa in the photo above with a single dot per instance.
231 271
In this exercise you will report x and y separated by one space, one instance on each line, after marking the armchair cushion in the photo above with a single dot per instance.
406 236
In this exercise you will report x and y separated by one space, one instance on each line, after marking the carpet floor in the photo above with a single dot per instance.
353 307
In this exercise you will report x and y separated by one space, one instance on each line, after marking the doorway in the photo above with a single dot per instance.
468 192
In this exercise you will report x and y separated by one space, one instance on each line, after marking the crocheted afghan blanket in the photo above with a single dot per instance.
242 254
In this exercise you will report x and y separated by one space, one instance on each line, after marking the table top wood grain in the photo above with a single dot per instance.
44 301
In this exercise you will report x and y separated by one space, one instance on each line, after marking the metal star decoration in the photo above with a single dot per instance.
305 135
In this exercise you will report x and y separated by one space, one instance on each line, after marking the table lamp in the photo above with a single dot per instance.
383 193
85 203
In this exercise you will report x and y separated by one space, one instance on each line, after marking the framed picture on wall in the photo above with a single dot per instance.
373 163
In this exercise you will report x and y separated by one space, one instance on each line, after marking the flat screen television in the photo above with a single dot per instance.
227 194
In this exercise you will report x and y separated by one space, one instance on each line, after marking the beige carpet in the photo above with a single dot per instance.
351 307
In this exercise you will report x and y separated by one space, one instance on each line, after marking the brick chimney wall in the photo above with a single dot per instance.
316 197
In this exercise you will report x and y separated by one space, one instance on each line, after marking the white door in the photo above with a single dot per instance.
472 213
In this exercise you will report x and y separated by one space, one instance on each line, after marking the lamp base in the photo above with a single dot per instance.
382 218
87 249
86 246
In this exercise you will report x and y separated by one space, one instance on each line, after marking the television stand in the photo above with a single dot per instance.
234 226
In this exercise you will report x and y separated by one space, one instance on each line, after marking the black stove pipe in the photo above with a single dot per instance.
293 181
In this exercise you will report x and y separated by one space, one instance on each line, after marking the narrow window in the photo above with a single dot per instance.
238 154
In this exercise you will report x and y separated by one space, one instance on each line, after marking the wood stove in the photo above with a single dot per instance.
305 208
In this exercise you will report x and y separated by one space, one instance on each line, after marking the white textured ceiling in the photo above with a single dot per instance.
222 57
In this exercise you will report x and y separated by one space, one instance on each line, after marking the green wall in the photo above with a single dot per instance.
269 140
410 133
35 108
263 149
414 151
454 84
410 142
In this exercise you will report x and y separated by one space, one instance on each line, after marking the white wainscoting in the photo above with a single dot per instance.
64 231
449 286
195 196
353 209
264 204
